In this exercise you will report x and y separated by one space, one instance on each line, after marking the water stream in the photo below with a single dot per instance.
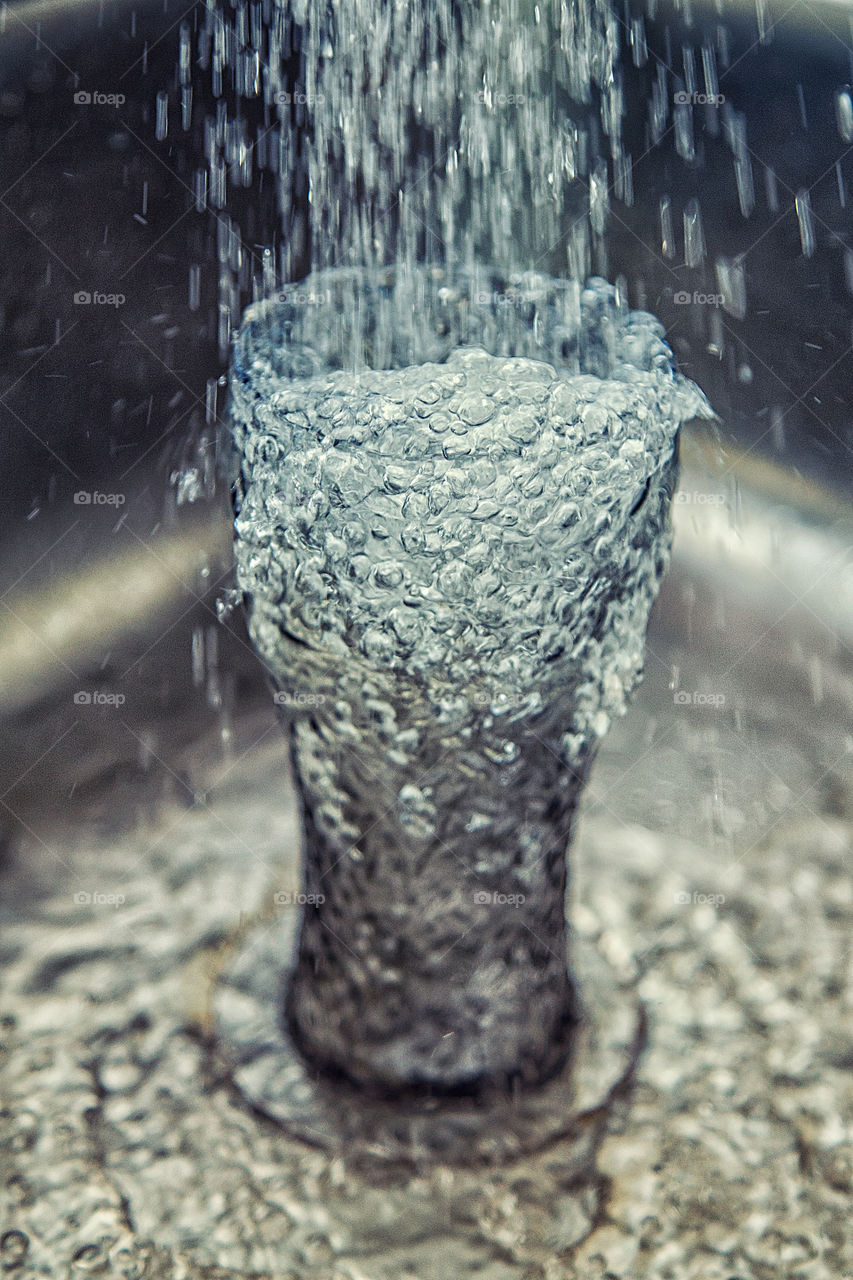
442 179
454 489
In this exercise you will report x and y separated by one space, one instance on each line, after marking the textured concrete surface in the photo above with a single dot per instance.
711 869
713 864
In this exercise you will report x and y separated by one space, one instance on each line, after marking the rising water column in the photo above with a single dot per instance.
453 518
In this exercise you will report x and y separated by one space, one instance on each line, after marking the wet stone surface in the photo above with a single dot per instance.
124 1154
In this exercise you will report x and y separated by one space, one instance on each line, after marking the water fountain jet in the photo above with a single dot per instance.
453 517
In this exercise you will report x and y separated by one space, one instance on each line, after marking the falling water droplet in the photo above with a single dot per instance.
667 232
844 114
694 236
210 401
777 425
194 286
197 656
801 103
731 282
848 269
806 221
772 188
683 120
162 121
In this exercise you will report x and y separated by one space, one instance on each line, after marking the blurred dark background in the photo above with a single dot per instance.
120 399
92 201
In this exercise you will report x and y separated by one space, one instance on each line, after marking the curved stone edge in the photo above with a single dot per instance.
576 1108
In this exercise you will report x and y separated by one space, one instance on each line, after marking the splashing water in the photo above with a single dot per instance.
443 133
453 505
454 498
450 563
433 444
451 133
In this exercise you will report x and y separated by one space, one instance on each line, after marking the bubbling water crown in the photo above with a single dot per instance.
454 551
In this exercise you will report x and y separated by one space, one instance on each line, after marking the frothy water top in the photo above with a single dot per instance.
483 510
450 563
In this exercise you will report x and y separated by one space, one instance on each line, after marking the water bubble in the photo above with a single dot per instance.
25 1131
90 1259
